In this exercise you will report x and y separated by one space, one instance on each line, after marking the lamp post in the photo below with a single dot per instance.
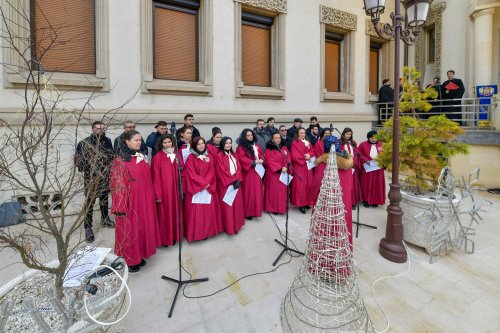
391 246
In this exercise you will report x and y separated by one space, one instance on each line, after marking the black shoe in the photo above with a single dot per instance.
354 207
302 210
89 235
142 264
365 204
134 268
108 223
308 207
249 218
373 205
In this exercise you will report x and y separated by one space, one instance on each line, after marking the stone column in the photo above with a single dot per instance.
483 46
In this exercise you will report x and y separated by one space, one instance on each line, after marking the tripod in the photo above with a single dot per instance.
180 282
358 199
285 244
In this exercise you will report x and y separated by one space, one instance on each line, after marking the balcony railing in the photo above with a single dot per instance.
472 113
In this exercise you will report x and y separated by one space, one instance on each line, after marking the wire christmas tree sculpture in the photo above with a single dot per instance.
324 296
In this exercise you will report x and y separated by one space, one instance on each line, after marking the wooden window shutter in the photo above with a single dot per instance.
374 71
64 35
256 55
175 44
332 66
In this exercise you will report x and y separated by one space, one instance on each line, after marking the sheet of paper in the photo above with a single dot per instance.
373 166
185 153
230 195
82 263
202 197
310 163
286 178
259 168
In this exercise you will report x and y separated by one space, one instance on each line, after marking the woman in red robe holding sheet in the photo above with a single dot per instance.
348 144
165 173
229 176
136 232
202 219
319 170
302 151
277 159
250 155
373 182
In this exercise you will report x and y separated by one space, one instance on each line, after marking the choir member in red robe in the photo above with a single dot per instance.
348 144
202 219
277 160
372 183
319 170
250 154
184 144
165 174
301 153
214 142
136 232
229 175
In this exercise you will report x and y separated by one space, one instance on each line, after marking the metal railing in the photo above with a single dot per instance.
473 113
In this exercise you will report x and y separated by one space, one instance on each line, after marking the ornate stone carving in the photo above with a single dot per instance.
338 18
274 5
370 29
433 19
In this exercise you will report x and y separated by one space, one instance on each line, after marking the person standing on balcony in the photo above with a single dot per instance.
385 95
451 91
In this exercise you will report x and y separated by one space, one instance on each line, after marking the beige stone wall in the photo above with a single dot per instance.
485 157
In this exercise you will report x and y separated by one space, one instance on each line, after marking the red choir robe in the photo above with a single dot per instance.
252 187
233 217
318 173
372 183
300 186
201 220
132 193
164 172
352 151
276 196
213 150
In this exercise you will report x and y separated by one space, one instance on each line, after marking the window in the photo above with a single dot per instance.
176 47
259 53
64 36
374 67
256 49
69 39
175 41
336 70
431 45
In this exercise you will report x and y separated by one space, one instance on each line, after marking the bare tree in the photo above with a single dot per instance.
36 157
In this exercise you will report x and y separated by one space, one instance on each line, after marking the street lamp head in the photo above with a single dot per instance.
416 12
374 8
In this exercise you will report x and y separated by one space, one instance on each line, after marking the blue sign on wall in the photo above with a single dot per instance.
484 94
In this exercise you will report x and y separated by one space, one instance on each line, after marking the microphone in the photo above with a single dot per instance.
331 127
172 128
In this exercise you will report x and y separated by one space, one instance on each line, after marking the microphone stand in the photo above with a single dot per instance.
285 244
357 223
180 282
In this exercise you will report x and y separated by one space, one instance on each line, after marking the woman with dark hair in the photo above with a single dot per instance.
250 155
203 218
373 182
214 142
348 144
229 177
277 159
165 173
319 170
184 144
136 232
302 151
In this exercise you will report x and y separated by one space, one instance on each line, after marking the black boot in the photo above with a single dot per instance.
302 210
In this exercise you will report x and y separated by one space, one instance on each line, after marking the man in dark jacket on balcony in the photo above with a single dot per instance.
386 96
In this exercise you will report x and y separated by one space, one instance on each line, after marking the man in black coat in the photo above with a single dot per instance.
297 123
188 122
451 89
285 140
386 96
93 157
